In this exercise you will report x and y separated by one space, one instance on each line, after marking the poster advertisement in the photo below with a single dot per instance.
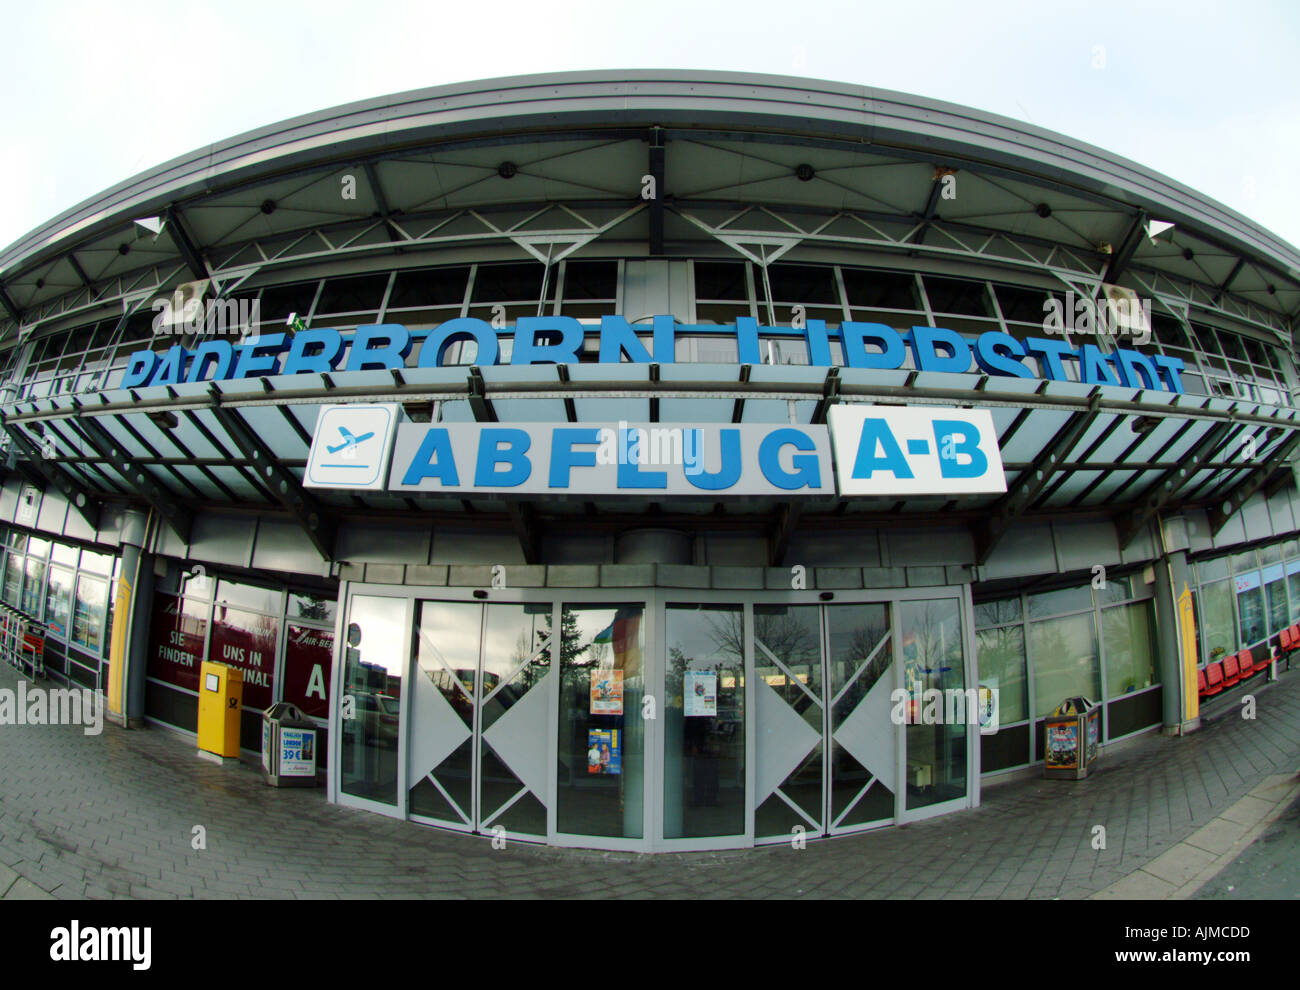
606 691
308 655
1063 745
700 693
1094 724
988 701
604 751
297 752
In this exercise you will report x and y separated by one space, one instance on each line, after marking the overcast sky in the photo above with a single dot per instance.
1204 92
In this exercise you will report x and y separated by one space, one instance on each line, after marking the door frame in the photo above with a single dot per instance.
655 600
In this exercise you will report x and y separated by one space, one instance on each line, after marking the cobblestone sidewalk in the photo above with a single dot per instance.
112 816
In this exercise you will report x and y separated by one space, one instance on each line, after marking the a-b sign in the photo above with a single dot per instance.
916 450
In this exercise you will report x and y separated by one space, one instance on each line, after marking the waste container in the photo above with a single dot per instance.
1072 735
288 746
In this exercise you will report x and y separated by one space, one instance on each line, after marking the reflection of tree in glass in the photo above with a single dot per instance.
312 607
727 630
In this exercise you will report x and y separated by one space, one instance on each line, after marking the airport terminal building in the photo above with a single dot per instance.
599 458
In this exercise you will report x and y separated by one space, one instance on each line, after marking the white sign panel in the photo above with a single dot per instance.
612 459
352 446
915 450
699 693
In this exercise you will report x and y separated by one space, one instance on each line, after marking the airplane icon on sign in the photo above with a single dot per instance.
349 440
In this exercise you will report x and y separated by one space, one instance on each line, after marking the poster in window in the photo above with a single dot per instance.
606 691
88 613
700 693
604 751
176 636
247 640
308 655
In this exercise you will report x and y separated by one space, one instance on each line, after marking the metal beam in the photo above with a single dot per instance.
1032 482
281 482
1227 282
10 306
1232 503
1127 248
931 208
173 513
189 251
524 520
1154 499
785 521
658 166
480 405
43 472
81 272
385 211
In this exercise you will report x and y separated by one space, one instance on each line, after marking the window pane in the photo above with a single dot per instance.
314 608
88 613
1275 592
1059 602
1065 659
248 596
13 578
704 760
372 674
1220 622
998 613
1002 668
1130 649
176 639
58 601
602 734
34 587
1250 609
248 641
932 661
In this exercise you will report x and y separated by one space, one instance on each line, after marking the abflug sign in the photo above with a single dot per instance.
559 340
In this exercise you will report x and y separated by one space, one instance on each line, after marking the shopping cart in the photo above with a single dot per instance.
22 641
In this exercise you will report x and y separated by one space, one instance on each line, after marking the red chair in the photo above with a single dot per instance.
1213 678
1284 641
1295 638
1200 683
1231 670
1245 663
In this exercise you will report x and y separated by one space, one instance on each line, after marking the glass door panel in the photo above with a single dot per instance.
513 718
791 715
440 762
372 679
930 634
704 721
601 757
863 737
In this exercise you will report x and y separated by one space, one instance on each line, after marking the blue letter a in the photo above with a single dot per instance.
891 459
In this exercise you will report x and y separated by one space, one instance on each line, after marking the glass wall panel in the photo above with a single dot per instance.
864 755
1274 592
1064 654
88 613
1128 634
372 676
1002 668
1059 602
704 719
247 640
58 601
13 578
931 641
601 759
1220 624
788 678
1293 581
34 587
1250 609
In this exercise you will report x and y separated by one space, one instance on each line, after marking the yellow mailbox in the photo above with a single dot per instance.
221 693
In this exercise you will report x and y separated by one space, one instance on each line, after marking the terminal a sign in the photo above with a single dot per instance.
562 339
872 450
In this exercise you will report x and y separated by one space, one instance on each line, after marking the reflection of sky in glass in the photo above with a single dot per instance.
382 636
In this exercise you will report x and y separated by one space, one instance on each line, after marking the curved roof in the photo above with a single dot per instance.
834 126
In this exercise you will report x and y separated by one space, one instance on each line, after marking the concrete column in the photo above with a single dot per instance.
1173 574
137 577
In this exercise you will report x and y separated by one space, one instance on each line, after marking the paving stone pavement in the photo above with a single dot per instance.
112 816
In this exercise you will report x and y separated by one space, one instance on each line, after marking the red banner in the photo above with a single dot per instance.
247 640
308 655
176 640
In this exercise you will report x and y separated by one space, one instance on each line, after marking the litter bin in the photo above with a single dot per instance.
288 747
1072 734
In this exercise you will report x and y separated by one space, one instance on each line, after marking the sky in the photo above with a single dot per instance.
1203 92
